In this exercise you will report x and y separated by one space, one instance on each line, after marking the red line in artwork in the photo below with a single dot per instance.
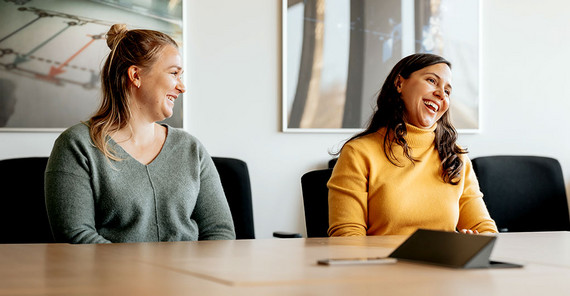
54 71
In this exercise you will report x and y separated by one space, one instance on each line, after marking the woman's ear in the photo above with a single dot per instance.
398 83
134 75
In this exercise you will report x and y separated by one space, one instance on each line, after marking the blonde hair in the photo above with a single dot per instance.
128 47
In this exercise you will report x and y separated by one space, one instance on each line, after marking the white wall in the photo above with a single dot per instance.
234 101
526 80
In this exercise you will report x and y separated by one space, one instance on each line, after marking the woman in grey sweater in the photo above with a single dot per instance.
122 177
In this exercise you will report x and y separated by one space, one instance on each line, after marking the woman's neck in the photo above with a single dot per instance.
137 132
142 141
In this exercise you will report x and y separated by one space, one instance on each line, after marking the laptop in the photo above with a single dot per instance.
450 249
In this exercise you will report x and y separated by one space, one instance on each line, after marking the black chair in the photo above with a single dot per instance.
316 202
237 187
332 163
23 215
523 193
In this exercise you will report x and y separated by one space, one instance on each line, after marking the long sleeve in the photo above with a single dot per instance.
348 194
70 208
212 212
69 197
473 213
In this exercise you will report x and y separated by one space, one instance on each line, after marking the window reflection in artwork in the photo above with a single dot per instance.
338 53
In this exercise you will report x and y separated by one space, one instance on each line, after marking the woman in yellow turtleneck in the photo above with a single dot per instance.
405 171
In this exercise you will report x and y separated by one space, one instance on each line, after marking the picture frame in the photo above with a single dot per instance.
52 51
337 54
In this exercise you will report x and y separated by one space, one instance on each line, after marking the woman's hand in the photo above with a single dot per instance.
469 231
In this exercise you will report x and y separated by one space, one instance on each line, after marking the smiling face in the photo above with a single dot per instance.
156 87
425 94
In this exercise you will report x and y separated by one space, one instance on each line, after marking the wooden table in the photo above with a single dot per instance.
276 267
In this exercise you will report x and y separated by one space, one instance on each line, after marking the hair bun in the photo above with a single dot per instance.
115 34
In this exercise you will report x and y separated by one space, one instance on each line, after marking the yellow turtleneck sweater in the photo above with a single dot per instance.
368 195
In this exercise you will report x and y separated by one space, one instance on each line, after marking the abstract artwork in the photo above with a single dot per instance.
51 53
337 54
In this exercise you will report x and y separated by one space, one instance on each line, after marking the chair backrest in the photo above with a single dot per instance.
316 202
523 193
332 162
23 215
237 187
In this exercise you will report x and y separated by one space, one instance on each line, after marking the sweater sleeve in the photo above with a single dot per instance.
212 213
348 194
473 213
69 197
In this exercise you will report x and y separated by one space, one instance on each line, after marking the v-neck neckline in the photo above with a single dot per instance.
158 156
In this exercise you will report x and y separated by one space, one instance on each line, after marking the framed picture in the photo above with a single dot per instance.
51 53
337 54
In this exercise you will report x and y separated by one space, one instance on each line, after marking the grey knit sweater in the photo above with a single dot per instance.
177 197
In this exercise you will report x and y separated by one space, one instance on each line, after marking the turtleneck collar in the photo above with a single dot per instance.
420 137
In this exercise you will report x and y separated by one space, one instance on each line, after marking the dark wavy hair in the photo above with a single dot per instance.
390 111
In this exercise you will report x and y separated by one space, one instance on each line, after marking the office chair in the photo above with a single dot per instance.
316 202
332 162
237 187
523 193
23 215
